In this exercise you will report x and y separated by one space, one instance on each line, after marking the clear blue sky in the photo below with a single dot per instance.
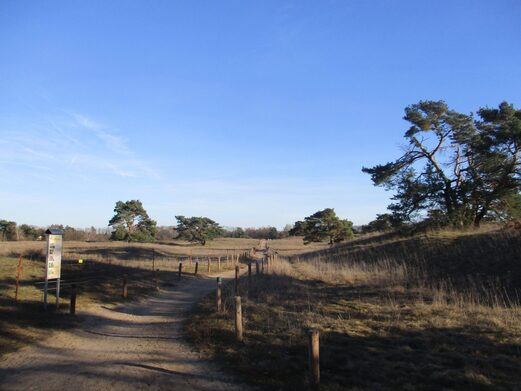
252 113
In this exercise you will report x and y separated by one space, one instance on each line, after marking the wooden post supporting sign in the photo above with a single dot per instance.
72 308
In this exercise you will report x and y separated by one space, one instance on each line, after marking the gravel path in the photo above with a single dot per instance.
127 347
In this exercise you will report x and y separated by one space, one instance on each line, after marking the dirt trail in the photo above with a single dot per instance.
127 347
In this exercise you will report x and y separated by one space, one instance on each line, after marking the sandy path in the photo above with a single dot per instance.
128 347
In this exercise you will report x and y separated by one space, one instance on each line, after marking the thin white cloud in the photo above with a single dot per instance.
112 141
86 147
41 155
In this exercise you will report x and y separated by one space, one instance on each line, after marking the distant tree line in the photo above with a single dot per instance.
10 231
259 233
132 223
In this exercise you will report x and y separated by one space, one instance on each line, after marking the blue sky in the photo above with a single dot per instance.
251 113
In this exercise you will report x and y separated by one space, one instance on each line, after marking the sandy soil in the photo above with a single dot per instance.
128 347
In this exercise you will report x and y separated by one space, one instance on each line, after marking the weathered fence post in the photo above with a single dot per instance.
314 358
238 319
237 280
124 292
18 271
209 264
72 308
218 295
153 259
218 263
157 279
180 270
196 267
249 278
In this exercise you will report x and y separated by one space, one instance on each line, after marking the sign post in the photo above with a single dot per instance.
53 263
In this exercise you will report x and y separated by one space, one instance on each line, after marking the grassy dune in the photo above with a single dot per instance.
437 311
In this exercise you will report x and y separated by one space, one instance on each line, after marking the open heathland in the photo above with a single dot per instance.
431 311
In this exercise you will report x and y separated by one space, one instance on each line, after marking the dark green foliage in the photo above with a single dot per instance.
131 222
8 230
383 222
198 229
464 167
237 233
30 232
323 225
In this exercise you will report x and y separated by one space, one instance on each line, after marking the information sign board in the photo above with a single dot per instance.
54 256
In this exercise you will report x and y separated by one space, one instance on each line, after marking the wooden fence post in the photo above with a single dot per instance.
314 358
249 278
237 280
218 295
209 264
238 319
218 263
180 270
124 292
18 271
72 308
157 279
196 267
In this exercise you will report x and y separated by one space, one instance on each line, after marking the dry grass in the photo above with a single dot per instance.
388 319
99 278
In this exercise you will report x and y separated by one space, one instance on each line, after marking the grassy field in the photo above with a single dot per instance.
437 311
99 277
